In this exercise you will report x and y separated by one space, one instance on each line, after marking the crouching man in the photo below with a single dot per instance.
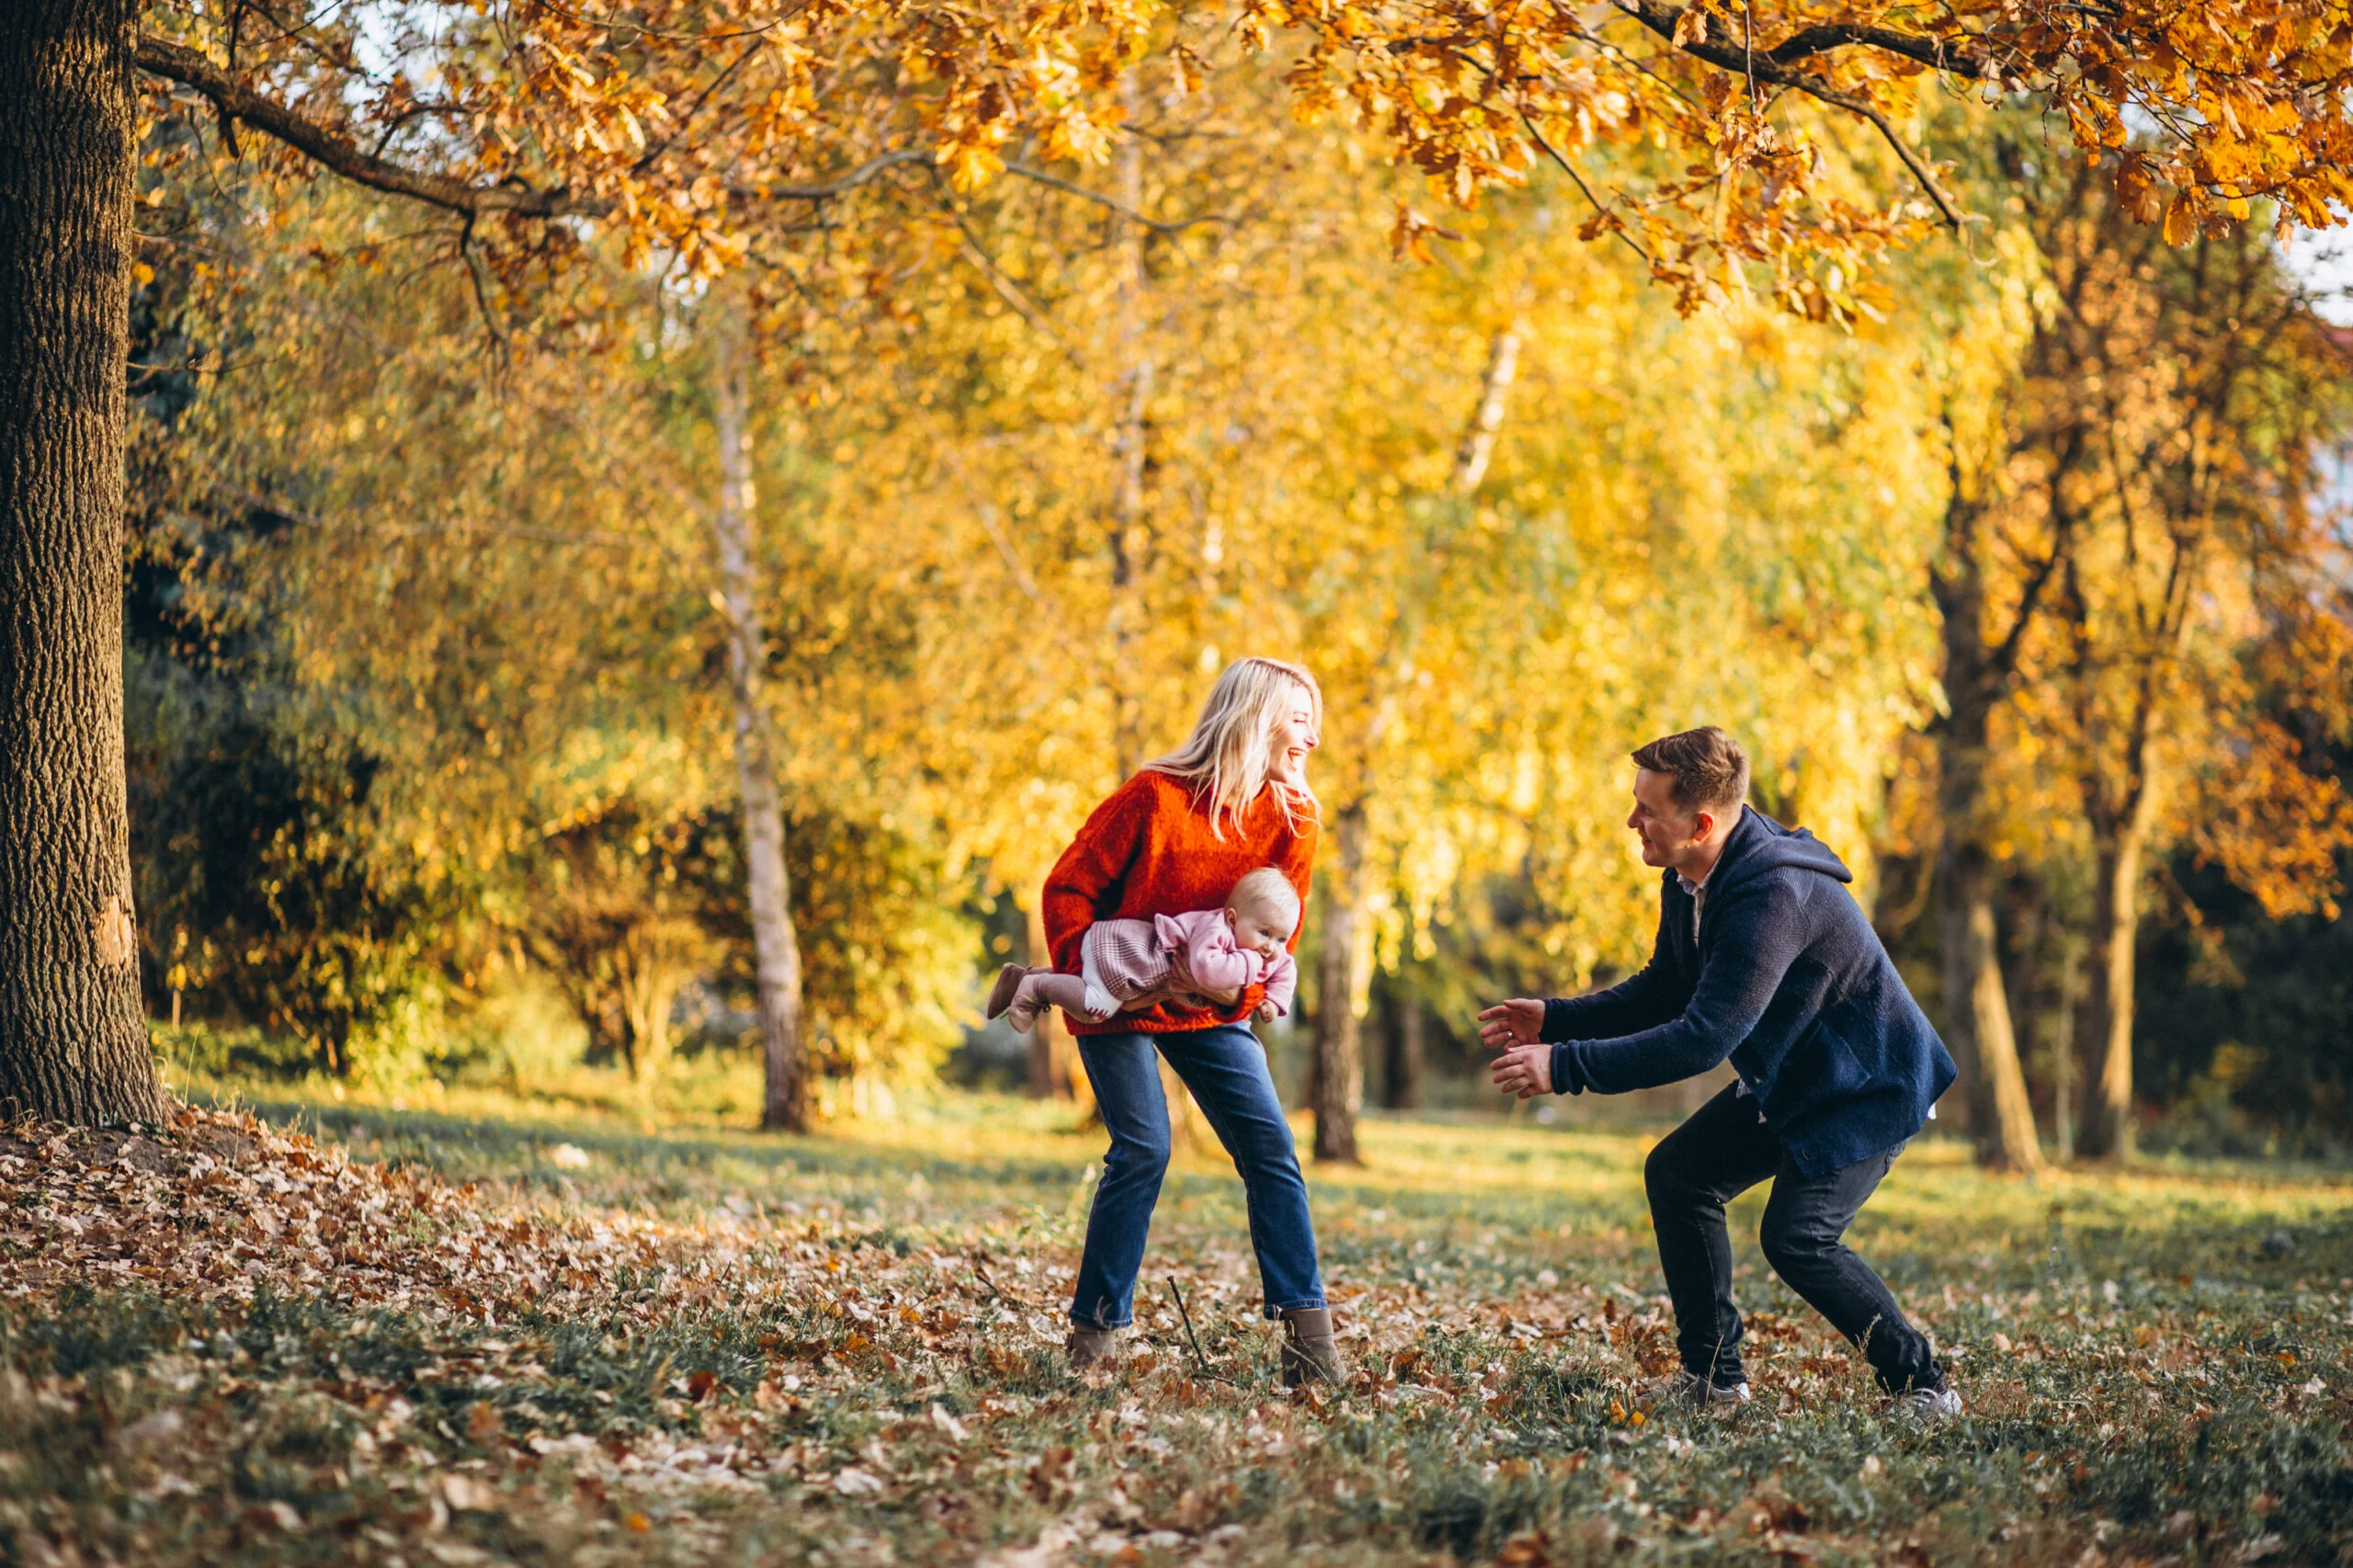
1763 957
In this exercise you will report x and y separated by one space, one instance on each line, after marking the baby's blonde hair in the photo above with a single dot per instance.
1229 757
1267 889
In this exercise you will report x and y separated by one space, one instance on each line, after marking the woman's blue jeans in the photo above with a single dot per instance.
1226 1070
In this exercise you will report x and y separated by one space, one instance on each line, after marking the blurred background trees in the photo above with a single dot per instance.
2029 596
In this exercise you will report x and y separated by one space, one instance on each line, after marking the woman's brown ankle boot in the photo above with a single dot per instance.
1309 1352
1088 1346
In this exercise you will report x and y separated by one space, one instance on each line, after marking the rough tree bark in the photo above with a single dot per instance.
1977 1011
1336 1082
777 950
2119 799
2116 927
72 1029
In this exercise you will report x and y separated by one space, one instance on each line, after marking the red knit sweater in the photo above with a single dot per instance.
1148 850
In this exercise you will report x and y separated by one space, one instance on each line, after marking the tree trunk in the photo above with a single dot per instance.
1478 444
1339 1077
777 950
1129 617
1054 1070
1977 1010
2116 925
1405 1063
2063 1050
73 1026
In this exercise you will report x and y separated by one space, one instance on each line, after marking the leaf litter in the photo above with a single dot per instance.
226 1341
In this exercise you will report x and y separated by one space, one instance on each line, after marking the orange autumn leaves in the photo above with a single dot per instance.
1775 146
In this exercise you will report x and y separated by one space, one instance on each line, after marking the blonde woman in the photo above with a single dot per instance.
1172 839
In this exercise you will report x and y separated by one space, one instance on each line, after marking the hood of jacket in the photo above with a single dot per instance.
1760 845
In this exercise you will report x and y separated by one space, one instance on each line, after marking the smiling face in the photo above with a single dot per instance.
1672 835
1294 737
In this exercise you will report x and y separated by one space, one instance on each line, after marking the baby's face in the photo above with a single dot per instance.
1254 930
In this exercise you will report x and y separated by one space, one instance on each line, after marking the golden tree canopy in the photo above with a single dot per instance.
683 120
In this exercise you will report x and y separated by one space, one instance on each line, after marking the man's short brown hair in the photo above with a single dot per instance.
1710 770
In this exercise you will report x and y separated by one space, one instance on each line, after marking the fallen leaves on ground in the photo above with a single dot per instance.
224 1341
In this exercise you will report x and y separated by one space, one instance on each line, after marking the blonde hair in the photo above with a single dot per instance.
1229 757
1267 888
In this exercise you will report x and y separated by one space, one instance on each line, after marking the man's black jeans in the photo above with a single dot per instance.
1723 1151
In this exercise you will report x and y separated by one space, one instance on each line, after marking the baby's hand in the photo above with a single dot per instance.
1265 1013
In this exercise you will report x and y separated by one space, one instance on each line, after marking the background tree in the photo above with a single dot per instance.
2210 390
508 124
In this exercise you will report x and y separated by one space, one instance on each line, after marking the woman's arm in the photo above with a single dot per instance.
1083 886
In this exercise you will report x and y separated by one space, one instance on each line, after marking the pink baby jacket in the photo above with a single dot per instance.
1133 960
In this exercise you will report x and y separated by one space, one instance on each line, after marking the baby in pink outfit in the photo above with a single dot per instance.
1128 965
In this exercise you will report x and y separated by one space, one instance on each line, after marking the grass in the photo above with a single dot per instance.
571 1340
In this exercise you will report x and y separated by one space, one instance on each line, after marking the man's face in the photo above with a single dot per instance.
1669 831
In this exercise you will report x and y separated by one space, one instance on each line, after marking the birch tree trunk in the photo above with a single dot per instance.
1337 1078
1130 447
1977 1009
777 952
72 1026
1478 446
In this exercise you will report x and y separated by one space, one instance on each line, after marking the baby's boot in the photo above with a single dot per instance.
1009 983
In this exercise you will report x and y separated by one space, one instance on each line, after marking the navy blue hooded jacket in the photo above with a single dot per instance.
1788 979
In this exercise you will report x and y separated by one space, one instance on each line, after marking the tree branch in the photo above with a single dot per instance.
1934 53
1726 55
1615 226
1938 53
1042 177
334 150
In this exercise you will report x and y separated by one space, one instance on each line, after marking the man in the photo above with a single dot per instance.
1762 956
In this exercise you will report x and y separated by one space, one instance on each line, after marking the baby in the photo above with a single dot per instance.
1129 965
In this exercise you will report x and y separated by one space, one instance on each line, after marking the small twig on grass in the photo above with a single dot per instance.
1189 1337
988 1282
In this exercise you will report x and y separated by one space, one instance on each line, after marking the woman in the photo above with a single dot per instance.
1174 838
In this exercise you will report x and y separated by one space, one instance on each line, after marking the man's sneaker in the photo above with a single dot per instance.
1685 1386
1929 1406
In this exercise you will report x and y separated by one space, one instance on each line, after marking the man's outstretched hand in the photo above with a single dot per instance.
1525 1068
1507 1024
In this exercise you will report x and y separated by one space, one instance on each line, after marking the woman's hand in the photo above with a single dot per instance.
1180 979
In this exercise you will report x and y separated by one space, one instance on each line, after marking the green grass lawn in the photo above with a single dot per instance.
489 1331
